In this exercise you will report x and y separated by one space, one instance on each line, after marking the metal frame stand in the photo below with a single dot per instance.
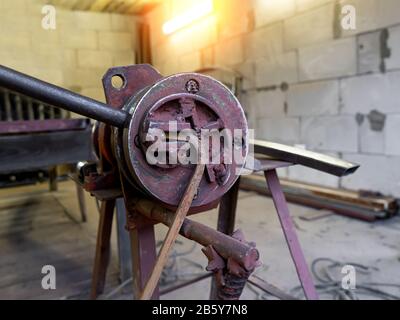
143 244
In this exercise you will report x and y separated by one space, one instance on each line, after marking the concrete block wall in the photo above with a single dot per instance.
75 55
341 92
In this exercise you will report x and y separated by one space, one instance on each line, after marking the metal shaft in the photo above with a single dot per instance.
61 98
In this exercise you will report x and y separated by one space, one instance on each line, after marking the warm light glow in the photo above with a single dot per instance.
202 9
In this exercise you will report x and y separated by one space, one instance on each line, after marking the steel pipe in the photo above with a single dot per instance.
61 98
228 247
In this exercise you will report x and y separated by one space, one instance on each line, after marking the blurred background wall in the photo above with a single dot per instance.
341 88
76 54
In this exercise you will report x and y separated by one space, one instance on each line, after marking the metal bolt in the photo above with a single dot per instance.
192 86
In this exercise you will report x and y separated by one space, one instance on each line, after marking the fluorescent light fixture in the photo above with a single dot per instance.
200 10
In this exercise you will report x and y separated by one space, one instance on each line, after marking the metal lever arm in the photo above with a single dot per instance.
61 98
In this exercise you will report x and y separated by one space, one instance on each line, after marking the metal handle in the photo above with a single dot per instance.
61 98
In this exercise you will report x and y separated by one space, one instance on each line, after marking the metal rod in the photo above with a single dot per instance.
61 98
225 245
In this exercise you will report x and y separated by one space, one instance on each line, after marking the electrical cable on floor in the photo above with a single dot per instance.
328 285
170 273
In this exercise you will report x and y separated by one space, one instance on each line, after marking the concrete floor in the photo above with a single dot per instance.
346 240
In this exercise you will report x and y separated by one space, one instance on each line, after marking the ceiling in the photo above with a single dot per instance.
115 6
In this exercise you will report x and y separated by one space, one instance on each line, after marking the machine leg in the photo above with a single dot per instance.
124 253
144 255
226 222
53 179
103 248
81 200
290 234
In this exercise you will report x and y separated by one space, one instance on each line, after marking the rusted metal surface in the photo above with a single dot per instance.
29 126
231 276
226 246
306 158
102 256
226 222
169 100
173 232
290 235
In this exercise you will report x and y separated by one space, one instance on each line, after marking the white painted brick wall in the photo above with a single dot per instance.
371 92
369 52
303 5
94 58
316 98
328 60
264 42
311 27
275 70
266 11
229 52
371 141
394 44
377 173
330 133
282 130
268 104
392 135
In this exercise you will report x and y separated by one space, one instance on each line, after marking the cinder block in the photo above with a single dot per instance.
311 27
14 7
387 12
122 22
392 135
266 12
229 52
312 99
268 104
366 16
92 20
19 40
282 130
123 58
393 62
371 141
330 133
276 70
94 93
190 62
83 77
54 76
249 111
304 5
78 39
376 173
115 41
207 57
264 42
369 52
371 92
236 17
328 60
94 59
69 58
247 72
202 35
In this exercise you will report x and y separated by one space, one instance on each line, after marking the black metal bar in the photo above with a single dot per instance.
59 97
